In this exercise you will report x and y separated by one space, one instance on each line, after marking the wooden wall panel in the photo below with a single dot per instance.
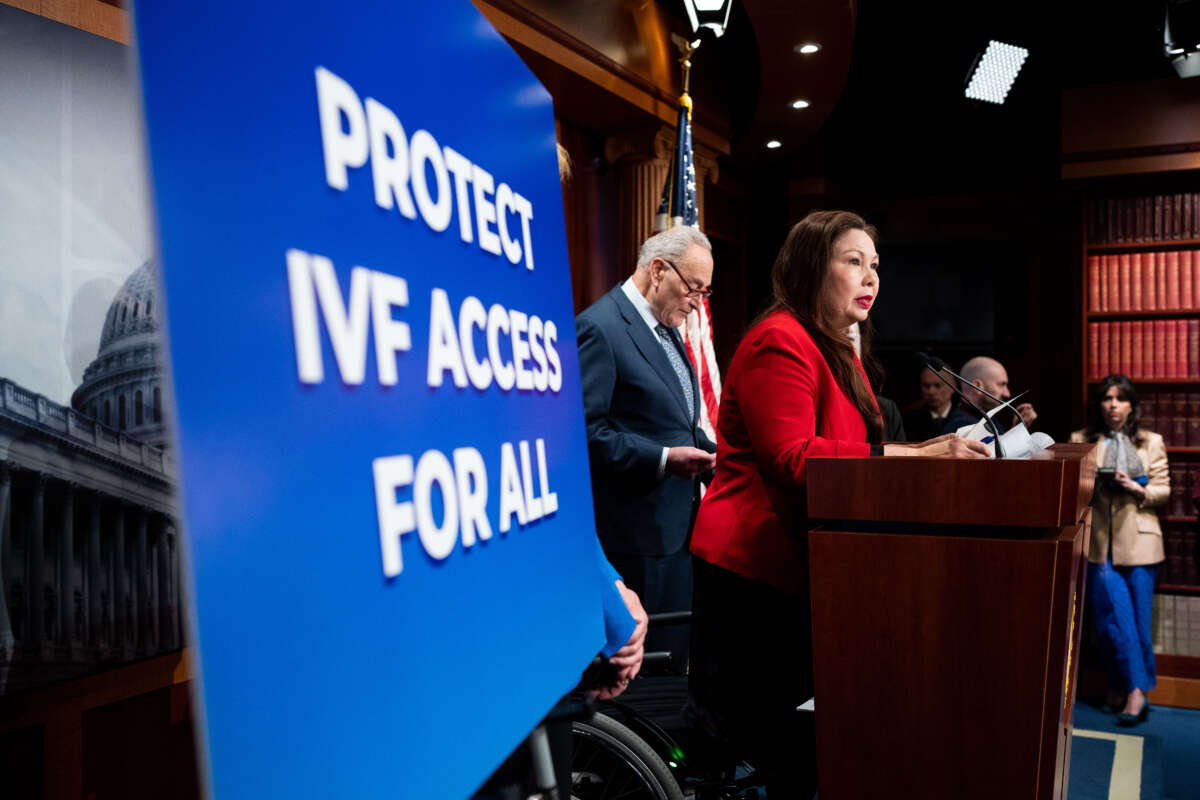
1131 128
93 16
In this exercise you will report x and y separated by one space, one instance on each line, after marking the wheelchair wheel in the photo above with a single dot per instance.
610 761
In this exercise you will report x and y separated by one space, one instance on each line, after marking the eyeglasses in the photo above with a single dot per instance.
701 293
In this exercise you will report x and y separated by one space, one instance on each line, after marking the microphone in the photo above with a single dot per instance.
937 366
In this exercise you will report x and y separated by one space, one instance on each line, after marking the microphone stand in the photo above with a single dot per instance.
988 422
936 366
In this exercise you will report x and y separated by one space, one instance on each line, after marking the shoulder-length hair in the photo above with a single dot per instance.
797 286
1097 426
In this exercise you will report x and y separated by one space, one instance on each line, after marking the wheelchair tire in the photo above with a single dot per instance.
608 760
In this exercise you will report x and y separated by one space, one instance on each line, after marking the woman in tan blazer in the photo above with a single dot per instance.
1126 541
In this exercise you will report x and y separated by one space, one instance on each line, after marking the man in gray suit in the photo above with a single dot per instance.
641 403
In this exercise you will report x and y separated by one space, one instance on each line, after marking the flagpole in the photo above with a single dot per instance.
686 60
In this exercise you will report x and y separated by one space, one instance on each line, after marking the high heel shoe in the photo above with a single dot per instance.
1129 720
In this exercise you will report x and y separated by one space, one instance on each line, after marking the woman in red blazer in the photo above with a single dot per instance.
794 389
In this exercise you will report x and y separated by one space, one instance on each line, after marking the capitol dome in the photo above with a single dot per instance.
122 387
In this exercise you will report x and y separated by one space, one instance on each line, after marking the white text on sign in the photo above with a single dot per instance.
521 349
353 131
462 482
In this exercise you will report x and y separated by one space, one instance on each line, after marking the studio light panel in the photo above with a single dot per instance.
995 72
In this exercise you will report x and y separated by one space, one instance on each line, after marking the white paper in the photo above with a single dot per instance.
1017 441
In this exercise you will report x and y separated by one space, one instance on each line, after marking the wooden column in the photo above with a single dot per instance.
643 160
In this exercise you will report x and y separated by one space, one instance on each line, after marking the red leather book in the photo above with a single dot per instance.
1186 276
1171 353
1160 349
1191 576
1193 258
1113 282
1148 349
1193 351
1114 348
1136 346
1175 429
1135 282
1158 217
1193 419
1160 276
1149 413
1179 420
1125 272
1093 350
1181 349
1195 216
1139 219
1186 231
1102 361
1126 337
1196 275
1172 280
1094 284
1150 300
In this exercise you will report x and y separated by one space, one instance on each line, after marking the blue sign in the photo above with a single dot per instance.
380 427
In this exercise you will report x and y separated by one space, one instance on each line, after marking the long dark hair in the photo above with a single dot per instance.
797 282
1097 426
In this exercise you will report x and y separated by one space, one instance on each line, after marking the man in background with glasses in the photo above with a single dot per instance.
642 403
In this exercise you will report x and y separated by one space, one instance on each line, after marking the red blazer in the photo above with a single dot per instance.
780 405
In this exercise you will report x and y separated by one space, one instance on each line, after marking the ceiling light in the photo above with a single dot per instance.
710 16
807 48
1180 26
994 72
800 104
774 144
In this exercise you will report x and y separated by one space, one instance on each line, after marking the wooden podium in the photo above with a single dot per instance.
946 608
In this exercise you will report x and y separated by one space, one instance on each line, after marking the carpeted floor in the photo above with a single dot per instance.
1157 759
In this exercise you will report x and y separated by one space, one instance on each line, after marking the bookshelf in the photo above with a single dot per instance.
1141 300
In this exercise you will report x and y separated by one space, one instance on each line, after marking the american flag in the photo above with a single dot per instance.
678 207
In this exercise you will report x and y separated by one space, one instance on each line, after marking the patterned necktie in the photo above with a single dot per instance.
681 371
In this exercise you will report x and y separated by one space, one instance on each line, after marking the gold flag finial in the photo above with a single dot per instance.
686 49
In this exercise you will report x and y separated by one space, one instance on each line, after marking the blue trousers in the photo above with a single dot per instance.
1121 599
